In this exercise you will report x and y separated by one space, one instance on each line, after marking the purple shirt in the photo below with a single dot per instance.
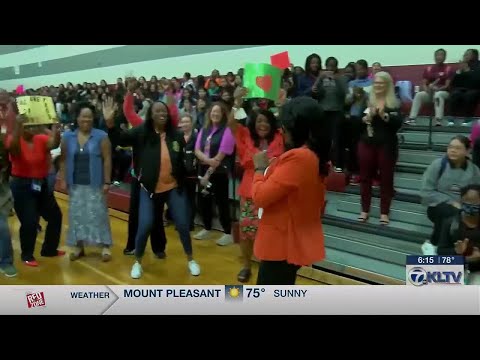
227 145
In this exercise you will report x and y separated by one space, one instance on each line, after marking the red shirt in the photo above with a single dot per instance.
442 72
34 159
246 149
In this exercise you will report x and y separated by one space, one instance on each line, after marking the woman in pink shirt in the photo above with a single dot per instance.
214 149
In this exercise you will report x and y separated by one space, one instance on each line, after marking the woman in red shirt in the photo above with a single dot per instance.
261 134
30 158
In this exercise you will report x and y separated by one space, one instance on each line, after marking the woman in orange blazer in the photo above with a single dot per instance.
291 193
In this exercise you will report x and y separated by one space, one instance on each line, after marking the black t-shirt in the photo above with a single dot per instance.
455 230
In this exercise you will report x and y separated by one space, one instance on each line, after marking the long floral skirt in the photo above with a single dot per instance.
248 221
88 219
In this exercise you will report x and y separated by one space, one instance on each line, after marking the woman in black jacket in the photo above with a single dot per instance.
162 178
190 137
378 146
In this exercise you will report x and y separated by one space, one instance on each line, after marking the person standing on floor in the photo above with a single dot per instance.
378 146
190 136
86 168
441 185
6 205
291 194
158 239
162 175
30 159
214 149
261 134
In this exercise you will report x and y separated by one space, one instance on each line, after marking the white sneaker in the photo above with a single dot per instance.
201 235
225 240
194 268
429 249
137 271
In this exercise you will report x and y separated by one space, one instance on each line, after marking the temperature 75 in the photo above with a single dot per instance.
255 293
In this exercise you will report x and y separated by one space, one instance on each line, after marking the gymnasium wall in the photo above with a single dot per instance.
37 65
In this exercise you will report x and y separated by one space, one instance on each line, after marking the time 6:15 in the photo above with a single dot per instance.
424 260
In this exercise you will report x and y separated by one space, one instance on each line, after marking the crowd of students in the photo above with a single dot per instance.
181 139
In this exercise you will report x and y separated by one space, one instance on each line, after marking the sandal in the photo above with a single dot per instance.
363 217
384 220
244 275
106 254
77 254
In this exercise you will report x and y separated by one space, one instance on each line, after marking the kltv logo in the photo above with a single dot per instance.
36 299
419 277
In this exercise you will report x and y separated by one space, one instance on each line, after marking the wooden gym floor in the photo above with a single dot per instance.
219 265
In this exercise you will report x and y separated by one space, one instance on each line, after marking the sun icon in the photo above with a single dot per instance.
234 292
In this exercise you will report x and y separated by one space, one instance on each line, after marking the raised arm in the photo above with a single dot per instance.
13 145
117 136
129 107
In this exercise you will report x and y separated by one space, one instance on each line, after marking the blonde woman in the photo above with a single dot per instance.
378 146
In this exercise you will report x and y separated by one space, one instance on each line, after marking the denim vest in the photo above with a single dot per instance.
94 147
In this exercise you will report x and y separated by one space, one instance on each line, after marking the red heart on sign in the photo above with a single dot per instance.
264 82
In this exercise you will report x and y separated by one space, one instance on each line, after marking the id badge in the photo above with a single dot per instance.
36 186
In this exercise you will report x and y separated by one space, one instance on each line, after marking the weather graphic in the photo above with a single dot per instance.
234 292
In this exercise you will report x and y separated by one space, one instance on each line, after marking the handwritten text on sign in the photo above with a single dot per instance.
38 109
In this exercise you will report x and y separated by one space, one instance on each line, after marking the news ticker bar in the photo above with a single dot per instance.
240 300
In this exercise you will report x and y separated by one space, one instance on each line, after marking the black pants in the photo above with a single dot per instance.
121 161
437 214
158 239
335 126
277 273
219 192
463 102
191 188
29 206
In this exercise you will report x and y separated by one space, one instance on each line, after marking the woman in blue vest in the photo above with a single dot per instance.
86 168
214 148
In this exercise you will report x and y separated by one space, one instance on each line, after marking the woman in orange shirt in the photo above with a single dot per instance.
261 134
291 193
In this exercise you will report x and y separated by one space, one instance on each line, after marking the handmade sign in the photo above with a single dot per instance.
38 109
262 81
281 60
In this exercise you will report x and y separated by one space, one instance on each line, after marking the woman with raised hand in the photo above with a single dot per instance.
30 159
162 175
261 134
291 194
86 167
158 239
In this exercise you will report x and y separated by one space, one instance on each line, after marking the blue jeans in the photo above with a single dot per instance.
6 250
150 207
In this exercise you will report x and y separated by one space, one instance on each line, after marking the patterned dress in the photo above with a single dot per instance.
89 222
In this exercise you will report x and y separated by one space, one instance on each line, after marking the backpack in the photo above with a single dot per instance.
443 166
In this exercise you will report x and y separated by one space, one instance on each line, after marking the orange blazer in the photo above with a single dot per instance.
292 195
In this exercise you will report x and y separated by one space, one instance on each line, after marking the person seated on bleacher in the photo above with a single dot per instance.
460 234
378 145
465 93
436 81
441 185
